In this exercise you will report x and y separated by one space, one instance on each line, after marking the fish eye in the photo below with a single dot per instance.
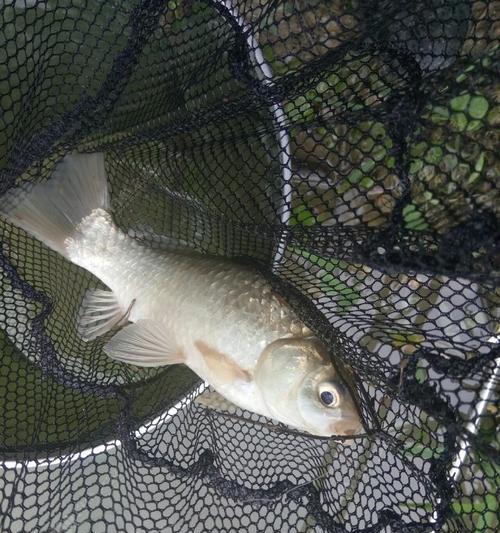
328 395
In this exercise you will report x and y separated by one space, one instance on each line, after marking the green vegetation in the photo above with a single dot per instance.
358 183
327 273
358 81
455 162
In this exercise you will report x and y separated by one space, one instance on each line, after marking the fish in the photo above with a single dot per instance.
220 318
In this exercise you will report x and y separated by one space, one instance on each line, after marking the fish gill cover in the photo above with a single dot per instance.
349 150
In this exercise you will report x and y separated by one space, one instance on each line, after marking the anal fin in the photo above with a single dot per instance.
144 343
99 313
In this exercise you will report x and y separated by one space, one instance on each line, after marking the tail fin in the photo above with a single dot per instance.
50 211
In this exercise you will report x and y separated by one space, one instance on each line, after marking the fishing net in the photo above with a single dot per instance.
350 151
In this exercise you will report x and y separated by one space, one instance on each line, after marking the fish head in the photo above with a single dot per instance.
301 387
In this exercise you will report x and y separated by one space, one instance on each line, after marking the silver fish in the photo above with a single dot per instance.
219 318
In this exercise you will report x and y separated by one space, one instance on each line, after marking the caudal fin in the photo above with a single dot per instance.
50 211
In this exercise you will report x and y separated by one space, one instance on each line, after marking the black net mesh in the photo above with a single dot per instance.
348 149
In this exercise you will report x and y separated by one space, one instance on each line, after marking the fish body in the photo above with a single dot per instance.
220 318
215 311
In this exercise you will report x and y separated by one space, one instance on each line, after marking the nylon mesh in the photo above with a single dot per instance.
350 151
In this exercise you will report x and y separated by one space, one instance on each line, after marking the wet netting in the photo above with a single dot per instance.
349 149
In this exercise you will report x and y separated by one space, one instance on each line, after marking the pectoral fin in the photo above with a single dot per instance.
145 343
222 367
215 401
99 313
